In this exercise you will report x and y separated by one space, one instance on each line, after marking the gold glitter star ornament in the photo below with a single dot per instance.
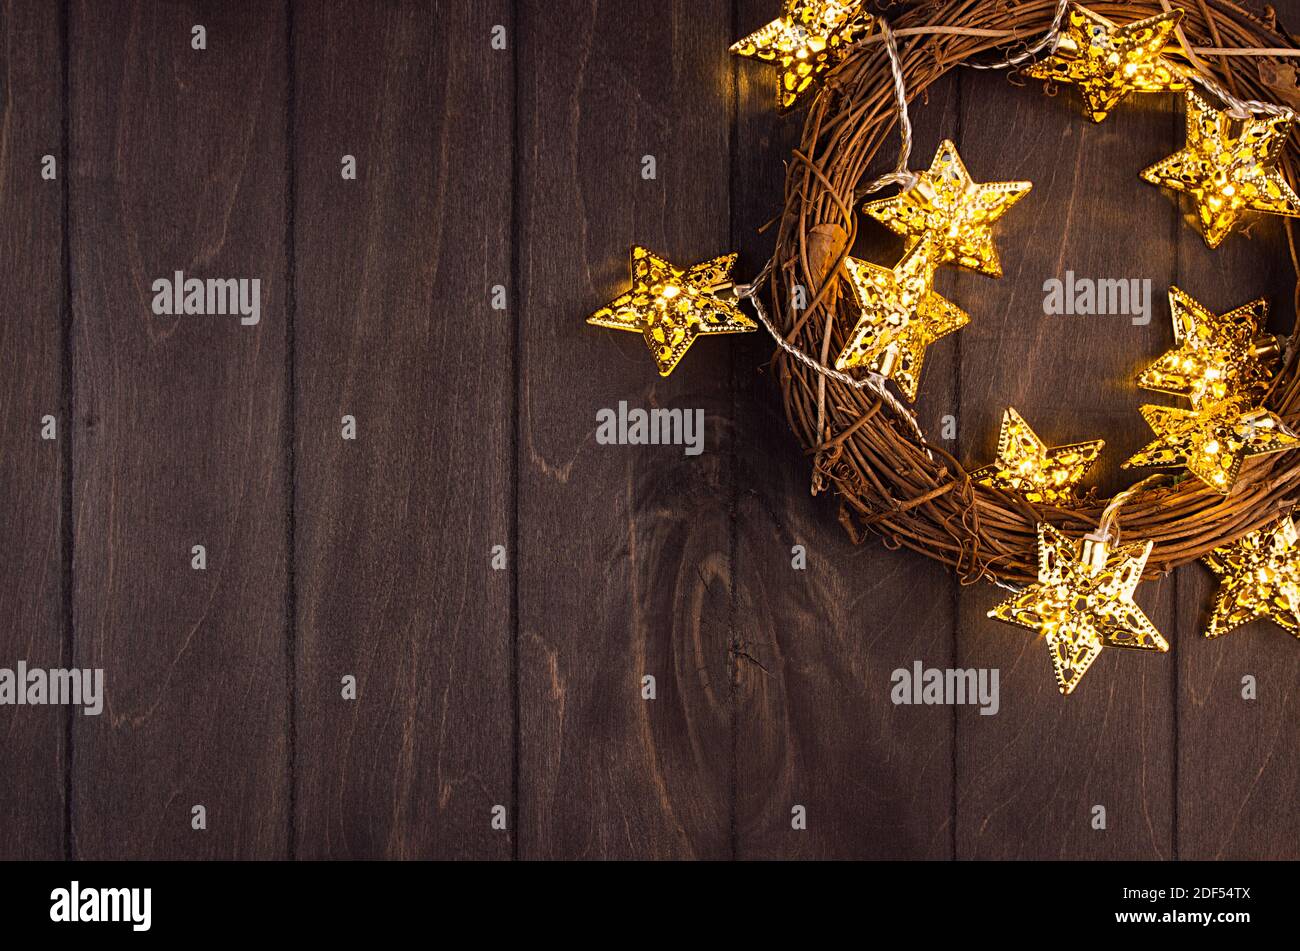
1260 578
1229 167
959 212
1083 602
1219 355
811 37
1213 439
1107 61
1026 465
901 315
671 306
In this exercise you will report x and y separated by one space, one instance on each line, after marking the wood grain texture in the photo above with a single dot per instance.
32 747
1028 778
178 164
396 529
476 427
815 648
623 550
1238 759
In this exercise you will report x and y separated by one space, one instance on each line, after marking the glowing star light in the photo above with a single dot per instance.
1107 62
1026 465
1219 355
810 37
1213 439
1229 167
1083 601
671 306
1260 578
901 316
957 211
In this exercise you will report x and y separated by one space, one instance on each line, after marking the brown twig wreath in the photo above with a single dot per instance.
892 481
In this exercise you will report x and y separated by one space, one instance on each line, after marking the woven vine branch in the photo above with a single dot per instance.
892 481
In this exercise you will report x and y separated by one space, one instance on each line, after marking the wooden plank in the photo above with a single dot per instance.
815 648
1238 759
1029 777
396 529
33 752
623 550
178 165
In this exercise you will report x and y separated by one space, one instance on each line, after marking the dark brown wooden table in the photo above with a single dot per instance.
521 687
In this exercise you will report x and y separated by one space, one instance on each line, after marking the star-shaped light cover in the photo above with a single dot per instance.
1107 62
671 306
1213 439
1229 167
900 316
1026 465
1219 355
1082 602
1260 578
957 211
810 37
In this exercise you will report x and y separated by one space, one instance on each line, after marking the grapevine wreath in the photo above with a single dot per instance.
852 334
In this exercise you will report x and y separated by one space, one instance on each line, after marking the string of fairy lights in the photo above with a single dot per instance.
1222 365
